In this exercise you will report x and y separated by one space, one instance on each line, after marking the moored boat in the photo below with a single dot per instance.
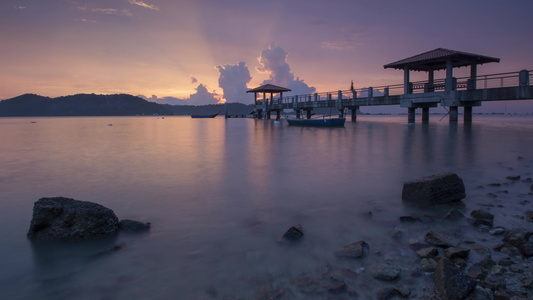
203 116
325 122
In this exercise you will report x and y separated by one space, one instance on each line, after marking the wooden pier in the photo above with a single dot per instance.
449 92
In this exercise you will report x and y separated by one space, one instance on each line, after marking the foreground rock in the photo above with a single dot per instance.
450 283
62 218
354 250
131 225
435 189
294 233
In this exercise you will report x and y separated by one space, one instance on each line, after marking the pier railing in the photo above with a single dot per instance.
499 80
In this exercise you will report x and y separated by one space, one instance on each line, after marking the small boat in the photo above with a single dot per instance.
203 116
324 122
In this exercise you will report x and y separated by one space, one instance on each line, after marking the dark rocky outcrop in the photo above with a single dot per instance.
294 233
387 272
68 219
60 218
450 283
131 225
438 239
481 217
353 250
435 189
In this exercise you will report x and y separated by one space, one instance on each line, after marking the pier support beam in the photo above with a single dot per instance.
308 113
411 115
278 114
297 113
268 114
467 114
354 113
425 114
454 114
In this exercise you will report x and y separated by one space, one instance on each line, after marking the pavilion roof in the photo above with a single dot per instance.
269 88
436 60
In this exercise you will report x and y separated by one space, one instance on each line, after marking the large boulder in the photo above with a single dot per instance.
435 189
68 219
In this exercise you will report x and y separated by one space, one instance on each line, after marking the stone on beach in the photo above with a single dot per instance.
353 250
450 283
387 272
61 218
435 189
294 233
482 217
438 239
131 225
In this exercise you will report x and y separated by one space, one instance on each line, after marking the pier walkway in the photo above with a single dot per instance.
451 92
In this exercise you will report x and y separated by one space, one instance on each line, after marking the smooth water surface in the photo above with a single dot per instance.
219 194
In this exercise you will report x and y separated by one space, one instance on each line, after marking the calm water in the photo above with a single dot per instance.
219 194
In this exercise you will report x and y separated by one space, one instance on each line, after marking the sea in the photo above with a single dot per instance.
219 194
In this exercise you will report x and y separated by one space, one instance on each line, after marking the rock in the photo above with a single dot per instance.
396 234
428 265
450 283
454 214
497 231
482 217
336 288
435 189
408 219
505 262
456 252
387 293
438 239
294 233
513 177
387 272
68 219
430 252
481 269
131 225
526 249
517 237
354 250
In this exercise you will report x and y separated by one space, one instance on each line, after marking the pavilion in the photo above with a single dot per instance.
435 60
272 89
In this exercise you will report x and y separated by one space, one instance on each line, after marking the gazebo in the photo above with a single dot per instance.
441 59
267 88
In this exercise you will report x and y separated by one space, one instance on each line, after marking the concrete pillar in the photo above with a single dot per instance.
449 75
454 113
297 113
354 113
316 97
425 114
411 115
406 88
472 83
268 114
354 94
339 95
255 98
259 114
278 114
309 98
386 91
431 81
370 92
524 78
467 114
308 113
329 97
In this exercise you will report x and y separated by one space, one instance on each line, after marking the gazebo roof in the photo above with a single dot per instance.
436 60
269 88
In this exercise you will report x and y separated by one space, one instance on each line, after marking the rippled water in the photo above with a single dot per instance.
219 194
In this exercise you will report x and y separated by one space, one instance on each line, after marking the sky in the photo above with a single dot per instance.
209 51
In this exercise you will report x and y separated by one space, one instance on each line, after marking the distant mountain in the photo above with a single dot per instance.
104 105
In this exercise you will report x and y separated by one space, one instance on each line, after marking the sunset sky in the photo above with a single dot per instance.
203 51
